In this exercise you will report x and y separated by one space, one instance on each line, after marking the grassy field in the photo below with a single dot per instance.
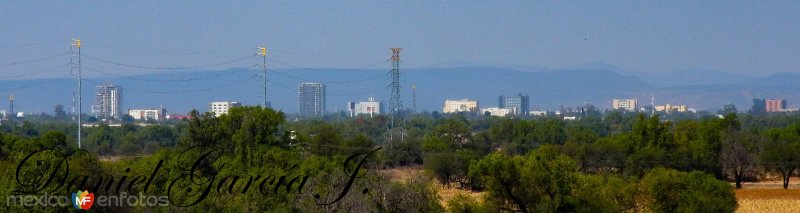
768 200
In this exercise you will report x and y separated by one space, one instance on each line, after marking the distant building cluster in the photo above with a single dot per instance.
312 104
463 105
671 108
761 106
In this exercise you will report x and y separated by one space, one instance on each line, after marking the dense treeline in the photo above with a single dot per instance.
613 161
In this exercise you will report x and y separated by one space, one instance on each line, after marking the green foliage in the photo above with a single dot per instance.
674 191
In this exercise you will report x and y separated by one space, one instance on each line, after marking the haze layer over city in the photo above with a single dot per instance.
184 56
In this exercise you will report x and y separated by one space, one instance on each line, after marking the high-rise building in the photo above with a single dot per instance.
312 100
370 107
108 102
220 108
759 106
775 105
516 104
463 105
626 104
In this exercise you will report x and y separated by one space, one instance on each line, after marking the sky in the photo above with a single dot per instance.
749 38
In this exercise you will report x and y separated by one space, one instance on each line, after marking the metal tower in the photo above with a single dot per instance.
395 103
11 109
77 44
263 53
414 96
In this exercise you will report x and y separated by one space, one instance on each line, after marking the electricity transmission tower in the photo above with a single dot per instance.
395 103
263 53
77 44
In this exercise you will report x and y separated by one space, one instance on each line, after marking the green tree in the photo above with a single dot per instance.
670 190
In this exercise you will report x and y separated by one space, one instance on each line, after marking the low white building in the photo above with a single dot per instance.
370 107
148 114
495 111
219 108
463 105
626 104
538 113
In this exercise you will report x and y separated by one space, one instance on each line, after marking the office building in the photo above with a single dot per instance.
516 104
108 102
671 108
148 114
624 104
370 107
311 100
463 105
775 105
220 108
496 111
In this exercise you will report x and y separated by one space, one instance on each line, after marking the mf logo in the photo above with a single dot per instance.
82 200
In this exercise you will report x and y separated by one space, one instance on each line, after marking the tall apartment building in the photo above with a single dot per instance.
108 102
463 105
220 108
370 107
516 104
311 100
626 104
775 105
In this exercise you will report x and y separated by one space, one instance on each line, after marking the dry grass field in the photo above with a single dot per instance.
768 200
769 196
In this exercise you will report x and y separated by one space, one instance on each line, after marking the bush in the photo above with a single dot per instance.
670 190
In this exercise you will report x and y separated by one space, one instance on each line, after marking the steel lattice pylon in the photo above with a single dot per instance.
395 104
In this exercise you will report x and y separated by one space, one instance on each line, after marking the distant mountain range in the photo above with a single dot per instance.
180 92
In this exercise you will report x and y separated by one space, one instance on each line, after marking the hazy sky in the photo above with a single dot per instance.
753 38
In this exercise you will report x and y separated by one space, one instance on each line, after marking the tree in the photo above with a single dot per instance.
541 181
728 109
738 155
670 190
781 154
59 112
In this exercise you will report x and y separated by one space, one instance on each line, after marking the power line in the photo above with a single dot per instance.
184 91
334 82
326 69
169 68
34 84
31 44
358 93
170 52
331 94
223 73
33 60
35 72
288 52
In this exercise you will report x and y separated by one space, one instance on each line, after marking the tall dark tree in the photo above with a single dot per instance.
738 155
